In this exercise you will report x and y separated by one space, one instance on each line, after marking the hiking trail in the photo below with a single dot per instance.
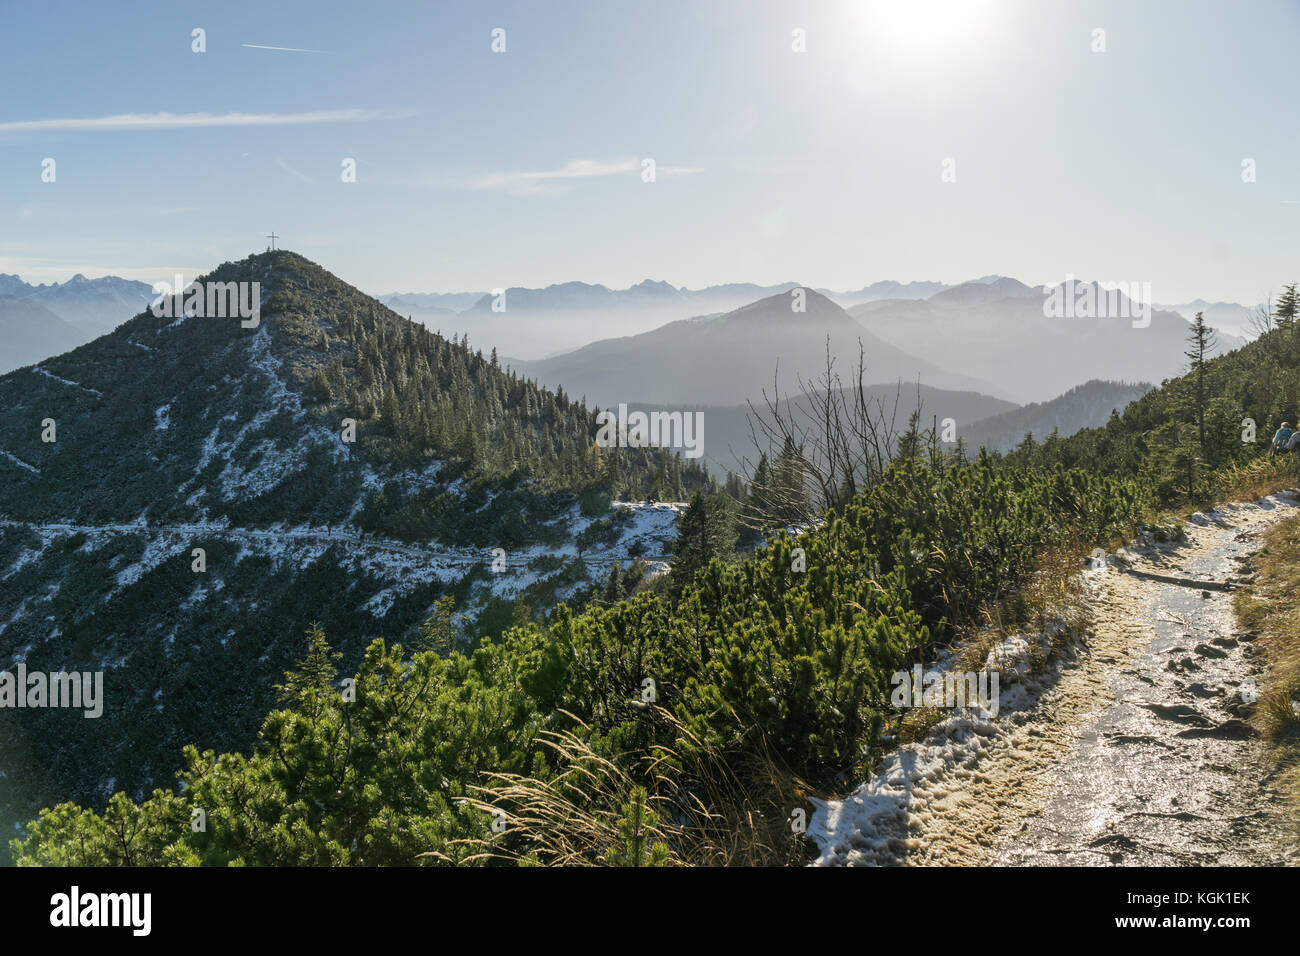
1129 749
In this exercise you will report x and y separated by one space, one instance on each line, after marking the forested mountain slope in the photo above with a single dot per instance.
123 460
699 716
1085 406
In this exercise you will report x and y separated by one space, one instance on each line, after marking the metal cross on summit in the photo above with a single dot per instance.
273 237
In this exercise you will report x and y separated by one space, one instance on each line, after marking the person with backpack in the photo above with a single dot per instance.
1280 439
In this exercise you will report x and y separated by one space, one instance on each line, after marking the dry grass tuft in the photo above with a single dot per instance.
1271 608
1261 477
709 808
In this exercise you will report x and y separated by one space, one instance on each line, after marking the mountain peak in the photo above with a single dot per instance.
988 289
812 305
655 286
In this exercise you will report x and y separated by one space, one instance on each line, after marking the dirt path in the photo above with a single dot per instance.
348 538
1133 751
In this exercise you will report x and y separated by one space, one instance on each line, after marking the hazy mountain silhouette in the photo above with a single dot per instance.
1085 406
29 332
731 358
999 331
733 437
38 321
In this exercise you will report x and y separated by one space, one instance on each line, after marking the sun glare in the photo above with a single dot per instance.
924 29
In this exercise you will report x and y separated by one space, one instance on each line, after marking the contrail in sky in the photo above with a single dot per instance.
136 121
283 49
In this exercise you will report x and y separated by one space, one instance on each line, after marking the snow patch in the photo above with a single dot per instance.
92 391
20 463
863 828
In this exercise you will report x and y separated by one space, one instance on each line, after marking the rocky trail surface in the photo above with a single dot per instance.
1130 748
351 538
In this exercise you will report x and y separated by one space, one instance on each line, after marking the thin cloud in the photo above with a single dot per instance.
551 181
282 50
290 170
152 121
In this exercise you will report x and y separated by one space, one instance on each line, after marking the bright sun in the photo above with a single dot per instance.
923 28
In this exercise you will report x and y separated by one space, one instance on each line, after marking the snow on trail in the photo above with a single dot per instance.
20 463
405 565
64 381
1128 749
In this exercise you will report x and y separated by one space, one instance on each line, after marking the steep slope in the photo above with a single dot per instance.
1085 406
38 321
171 435
729 359
30 332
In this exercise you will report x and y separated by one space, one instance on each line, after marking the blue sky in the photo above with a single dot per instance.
478 170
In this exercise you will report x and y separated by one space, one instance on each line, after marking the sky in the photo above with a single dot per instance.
920 140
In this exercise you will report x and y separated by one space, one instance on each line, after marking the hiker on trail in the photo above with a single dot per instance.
1293 442
1280 438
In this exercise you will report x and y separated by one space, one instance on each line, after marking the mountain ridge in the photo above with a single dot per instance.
677 364
198 508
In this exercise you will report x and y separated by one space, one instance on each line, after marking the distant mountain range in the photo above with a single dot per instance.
998 331
988 334
1229 317
537 323
732 358
38 321
970 329
434 303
